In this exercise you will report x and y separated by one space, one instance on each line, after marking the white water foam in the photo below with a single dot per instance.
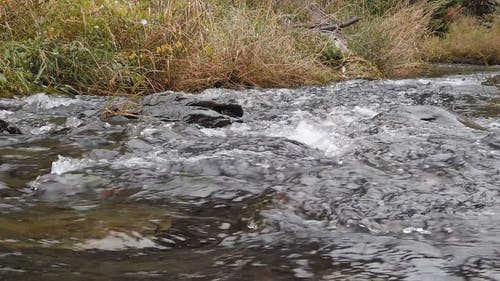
415 229
5 113
42 130
365 112
213 132
303 270
314 136
151 160
326 134
116 241
450 80
67 164
73 122
43 101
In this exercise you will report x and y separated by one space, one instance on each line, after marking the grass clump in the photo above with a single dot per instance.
392 42
139 46
144 46
467 41
249 47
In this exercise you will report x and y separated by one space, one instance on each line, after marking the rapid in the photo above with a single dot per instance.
357 180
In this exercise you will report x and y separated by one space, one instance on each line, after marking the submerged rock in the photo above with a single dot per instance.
492 140
169 106
419 115
4 126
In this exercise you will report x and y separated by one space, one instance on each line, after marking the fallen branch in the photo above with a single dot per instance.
341 25
334 32
329 27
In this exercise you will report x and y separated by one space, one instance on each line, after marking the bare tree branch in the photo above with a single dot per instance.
327 27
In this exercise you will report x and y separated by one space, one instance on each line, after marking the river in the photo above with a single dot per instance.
358 180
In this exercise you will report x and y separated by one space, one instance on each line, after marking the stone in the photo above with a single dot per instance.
174 107
6 127
492 81
206 119
229 109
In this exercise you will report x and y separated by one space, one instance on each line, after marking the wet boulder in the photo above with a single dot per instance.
171 107
229 109
419 114
492 81
207 118
8 128
492 140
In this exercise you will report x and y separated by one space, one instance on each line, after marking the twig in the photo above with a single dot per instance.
326 27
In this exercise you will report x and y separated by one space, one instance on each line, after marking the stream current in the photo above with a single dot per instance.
359 180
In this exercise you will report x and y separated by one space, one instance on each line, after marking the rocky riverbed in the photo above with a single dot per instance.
360 180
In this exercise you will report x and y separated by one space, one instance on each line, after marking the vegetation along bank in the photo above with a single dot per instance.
110 47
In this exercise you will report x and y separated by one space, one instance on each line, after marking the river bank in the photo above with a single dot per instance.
138 47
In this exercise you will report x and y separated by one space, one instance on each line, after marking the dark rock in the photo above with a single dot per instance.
207 119
172 107
229 109
164 98
165 112
492 81
4 126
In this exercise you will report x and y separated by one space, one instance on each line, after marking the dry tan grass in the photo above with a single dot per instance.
144 46
248 48
468 41
392 42
139 46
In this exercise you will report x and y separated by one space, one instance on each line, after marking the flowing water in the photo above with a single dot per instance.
360 180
